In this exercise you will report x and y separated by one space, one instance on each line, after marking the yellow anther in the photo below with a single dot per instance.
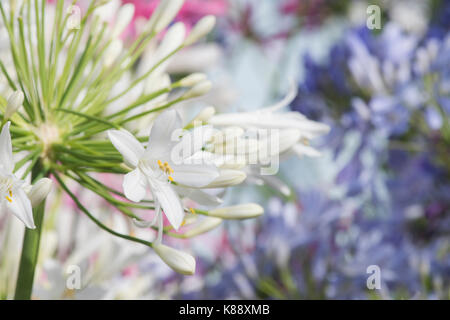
9 199
165 167
171 179
160 164
10 193
192 210
183 223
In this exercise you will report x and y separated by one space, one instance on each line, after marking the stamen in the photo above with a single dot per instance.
9 199
166 168
192 210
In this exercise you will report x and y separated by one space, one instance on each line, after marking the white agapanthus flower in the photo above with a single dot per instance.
294 129
13 196
154 168
93 80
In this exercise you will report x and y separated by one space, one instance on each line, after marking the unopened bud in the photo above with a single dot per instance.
227 178
242 211
179 261
201 29
198 90
205 114
192 79
204 226
40 191
15 101
113 52
169 9
124 17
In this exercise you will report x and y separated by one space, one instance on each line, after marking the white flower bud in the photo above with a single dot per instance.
169 9
205 114
112 52
124 17
172 40
179 261
228 177
241 211
198 90
201 29
15 101
192 79
40 191
204 226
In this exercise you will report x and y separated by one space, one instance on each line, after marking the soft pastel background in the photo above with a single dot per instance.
378 195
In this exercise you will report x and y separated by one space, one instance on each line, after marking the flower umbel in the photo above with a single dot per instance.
76 86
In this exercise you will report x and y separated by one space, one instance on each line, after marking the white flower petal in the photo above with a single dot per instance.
194 140
134 185
288 138
160 140
6 158
20 206
169 201
290 96
302 150
130 148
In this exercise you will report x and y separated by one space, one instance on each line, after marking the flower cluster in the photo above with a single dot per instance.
85 102
384 200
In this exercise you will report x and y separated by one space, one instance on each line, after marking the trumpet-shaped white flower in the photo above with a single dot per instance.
293 128
269 119
13 196
153 168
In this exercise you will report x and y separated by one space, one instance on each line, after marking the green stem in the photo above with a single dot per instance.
30 248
